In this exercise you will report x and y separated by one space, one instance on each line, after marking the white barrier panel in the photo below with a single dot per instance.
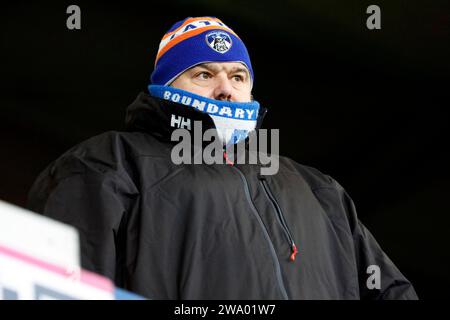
40 259
38 236
24 277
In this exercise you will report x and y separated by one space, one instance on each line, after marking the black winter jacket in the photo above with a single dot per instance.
169 231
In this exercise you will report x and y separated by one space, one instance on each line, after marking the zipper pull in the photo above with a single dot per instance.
226 159
294 252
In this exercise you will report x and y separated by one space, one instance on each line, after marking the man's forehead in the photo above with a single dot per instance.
227 66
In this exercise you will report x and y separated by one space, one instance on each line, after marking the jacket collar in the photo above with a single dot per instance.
154 116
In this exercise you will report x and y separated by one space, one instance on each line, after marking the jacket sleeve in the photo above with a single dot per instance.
371 259
92 198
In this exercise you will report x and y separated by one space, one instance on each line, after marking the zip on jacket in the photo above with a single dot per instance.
266 234
280 216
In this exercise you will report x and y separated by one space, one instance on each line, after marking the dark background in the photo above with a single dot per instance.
367 107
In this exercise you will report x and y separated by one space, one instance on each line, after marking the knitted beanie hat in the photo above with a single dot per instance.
193 41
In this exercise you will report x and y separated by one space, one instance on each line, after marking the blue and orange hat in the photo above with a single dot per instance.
193 41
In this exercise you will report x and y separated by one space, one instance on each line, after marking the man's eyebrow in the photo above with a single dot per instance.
214 68
240 69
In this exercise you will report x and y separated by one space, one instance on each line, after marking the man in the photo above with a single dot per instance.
216 231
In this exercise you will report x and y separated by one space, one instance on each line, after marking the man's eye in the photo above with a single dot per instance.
203 75
238 78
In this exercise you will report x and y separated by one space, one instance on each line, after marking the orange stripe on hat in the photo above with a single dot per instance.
190 20
188 35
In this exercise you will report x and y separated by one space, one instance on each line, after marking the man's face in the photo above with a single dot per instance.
228 81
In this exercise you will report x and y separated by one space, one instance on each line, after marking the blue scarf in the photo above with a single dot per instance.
233 120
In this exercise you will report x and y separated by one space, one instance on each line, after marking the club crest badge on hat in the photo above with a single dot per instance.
219 41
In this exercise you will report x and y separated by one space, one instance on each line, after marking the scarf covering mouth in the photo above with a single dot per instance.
233 120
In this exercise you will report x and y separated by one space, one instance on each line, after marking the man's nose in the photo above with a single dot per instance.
223 89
